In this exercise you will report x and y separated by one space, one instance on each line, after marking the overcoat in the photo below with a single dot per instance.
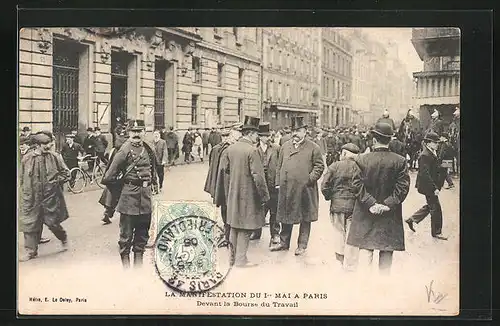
383 178
41 193
247 186
429 173
213 168
270 163
111 194
299 170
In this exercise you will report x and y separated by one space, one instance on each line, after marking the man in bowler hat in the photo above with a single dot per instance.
247 193
381 185
135 166
429 183
268 152
300 165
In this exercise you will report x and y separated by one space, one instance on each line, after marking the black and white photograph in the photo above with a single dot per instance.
239 171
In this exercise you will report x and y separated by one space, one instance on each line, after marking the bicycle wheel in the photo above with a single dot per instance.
78 180
98 174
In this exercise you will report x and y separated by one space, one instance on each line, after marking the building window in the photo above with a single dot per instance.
240 108
65 87
280 92
119 85
196 65
327 93
280 60
220 74
288 98
438 87
159 109
301 95
194 109
270 56
219 109
270 89
445 89
240 78
335 62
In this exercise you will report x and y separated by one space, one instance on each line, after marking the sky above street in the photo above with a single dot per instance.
402 36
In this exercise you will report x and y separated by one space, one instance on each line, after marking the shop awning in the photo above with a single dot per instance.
288 108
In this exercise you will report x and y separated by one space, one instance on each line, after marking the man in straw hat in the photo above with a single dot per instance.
42 174
135 167
429 183
268 152
300 166
381 185
247 192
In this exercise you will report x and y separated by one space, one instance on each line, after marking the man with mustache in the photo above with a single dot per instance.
300 166
135 167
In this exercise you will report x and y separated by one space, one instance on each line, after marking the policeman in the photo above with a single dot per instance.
134 166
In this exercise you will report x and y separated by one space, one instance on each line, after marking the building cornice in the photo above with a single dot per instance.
217 48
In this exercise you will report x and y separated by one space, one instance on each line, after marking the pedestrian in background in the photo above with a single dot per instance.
204 136
381 185
187 145
70 152
101 144
160 148
89 147
172 141
197 145
337 186
215 137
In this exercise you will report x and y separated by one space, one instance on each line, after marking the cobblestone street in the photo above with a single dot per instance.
91 268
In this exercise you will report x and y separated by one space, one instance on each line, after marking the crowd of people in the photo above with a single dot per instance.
254 171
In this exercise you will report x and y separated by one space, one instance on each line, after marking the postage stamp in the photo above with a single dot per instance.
191 252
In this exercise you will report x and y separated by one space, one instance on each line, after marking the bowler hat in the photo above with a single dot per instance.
351 148
97 129
90 129
432 137
264 129
383 129
251 123
298 122
26 129
136 125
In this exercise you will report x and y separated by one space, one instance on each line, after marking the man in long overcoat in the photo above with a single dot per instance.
382 185
300 165
42 175
172 141
247 193
268 152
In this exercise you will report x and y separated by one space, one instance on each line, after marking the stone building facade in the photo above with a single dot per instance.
74 78
290 75
438 85
336 82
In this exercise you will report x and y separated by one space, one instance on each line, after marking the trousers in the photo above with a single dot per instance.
384 260
240 240
161 175
32 239
341 224
272 208
433 207
304 232
205 149
227 228
171 155
134 233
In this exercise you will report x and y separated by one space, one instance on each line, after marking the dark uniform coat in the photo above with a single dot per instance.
247 186
70 154
297 177
134 199
111 194
383 179
89 145
41 193
101 143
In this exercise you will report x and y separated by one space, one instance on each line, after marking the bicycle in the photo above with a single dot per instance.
80 177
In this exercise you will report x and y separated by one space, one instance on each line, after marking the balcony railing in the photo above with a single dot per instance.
439 32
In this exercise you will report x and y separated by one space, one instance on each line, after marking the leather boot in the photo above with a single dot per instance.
125 261
138 257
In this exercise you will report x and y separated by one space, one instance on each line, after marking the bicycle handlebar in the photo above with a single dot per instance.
87 156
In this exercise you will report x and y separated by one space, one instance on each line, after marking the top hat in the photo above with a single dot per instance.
432 137
136 125
264 129
298 122
26 129
251 123
383 129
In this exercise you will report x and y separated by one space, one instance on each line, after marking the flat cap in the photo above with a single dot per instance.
41 138
353 148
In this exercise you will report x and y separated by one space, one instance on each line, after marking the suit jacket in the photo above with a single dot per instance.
270 163
337 186
429 169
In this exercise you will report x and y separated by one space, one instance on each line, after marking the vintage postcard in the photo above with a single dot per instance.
239 171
